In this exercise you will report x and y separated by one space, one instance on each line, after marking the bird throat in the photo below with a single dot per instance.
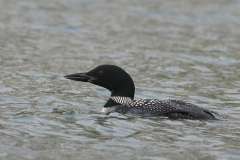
117 100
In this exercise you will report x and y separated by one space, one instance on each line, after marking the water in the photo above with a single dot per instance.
186 50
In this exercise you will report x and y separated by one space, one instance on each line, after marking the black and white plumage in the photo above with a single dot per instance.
121 100
122 90
154 107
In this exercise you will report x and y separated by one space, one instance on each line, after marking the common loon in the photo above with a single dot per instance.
122 89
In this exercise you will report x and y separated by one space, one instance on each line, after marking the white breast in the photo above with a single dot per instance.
104 110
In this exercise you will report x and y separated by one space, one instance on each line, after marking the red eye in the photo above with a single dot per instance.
101 73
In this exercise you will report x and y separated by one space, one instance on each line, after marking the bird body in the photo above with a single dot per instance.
122 100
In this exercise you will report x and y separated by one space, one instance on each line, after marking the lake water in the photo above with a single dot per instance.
187 50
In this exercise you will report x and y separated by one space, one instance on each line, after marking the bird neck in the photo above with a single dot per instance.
125 88
116 100
123 91
111 103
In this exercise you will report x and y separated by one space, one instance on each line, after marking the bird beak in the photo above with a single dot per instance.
80 77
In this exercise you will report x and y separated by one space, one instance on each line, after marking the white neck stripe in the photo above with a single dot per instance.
121 100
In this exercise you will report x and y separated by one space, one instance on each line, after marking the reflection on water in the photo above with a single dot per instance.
182 50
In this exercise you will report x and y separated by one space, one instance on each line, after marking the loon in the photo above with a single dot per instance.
122 89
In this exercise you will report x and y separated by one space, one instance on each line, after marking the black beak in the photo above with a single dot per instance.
80 77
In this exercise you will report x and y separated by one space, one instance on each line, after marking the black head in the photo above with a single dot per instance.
111 77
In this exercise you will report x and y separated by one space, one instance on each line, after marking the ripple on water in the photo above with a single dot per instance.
71 114
74 91
12 100
175 69
204 99
31 125
233 154
235 96
6 89
202 68
33 73
30 118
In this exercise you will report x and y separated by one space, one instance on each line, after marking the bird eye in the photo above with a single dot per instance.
101 73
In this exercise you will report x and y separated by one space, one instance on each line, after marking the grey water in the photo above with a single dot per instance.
187 50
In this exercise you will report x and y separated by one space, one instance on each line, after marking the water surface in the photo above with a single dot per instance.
186 50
